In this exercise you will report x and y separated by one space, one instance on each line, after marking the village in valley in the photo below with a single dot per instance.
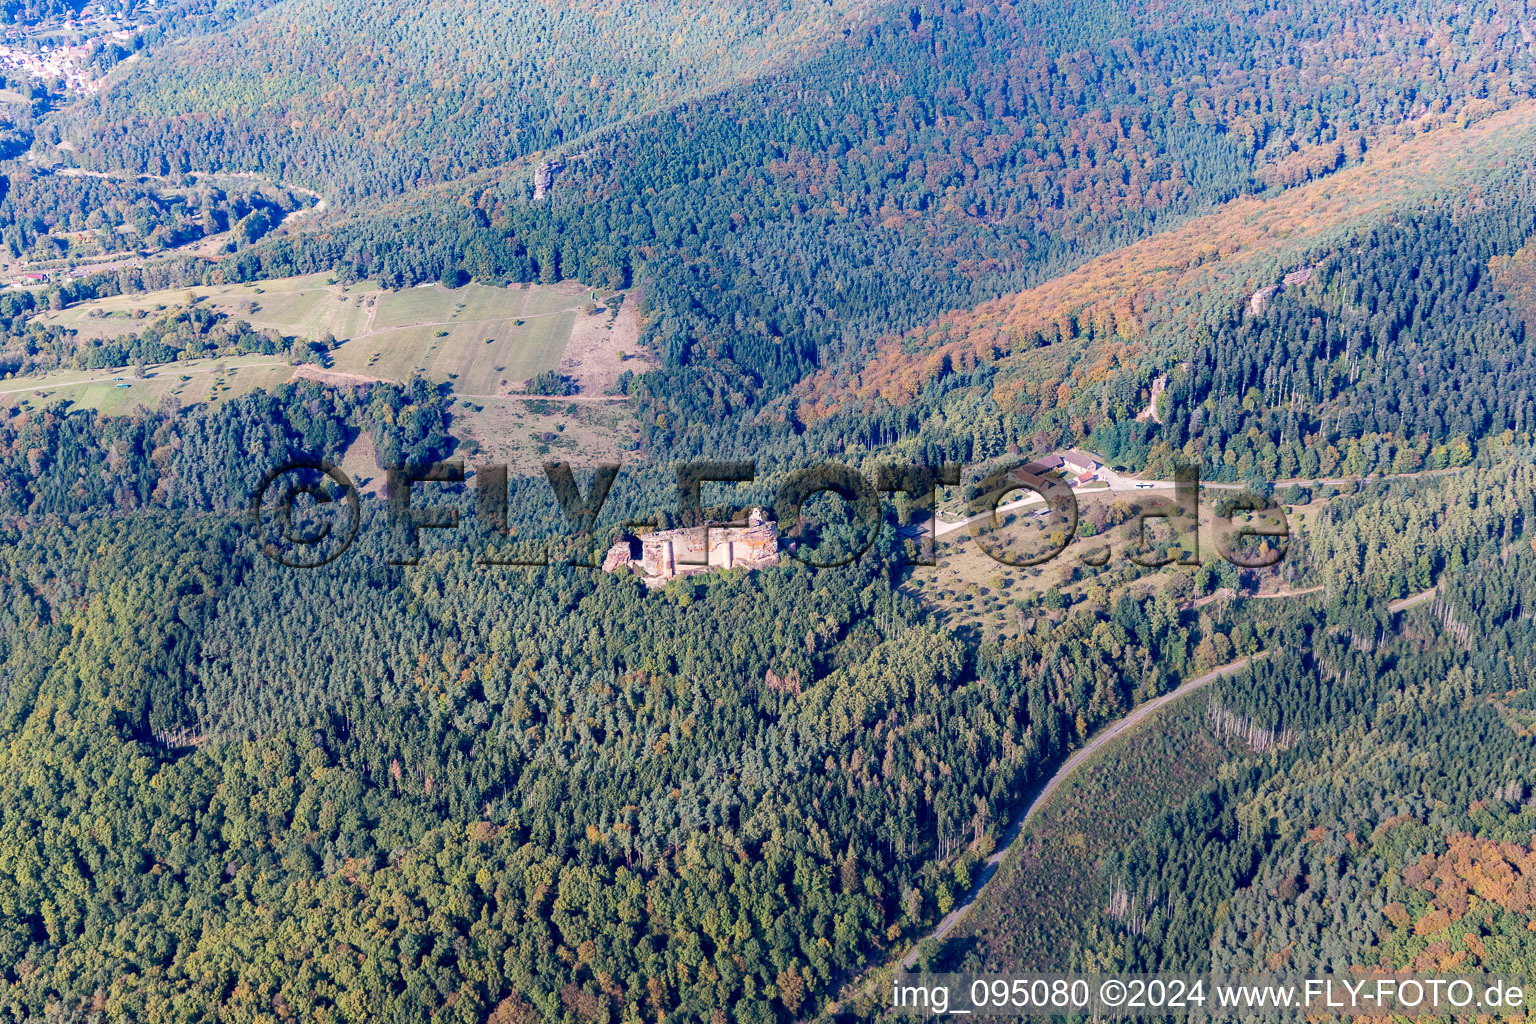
65 54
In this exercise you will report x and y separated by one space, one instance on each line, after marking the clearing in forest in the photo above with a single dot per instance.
485 341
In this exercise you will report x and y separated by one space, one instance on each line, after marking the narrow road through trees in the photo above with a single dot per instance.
1130 721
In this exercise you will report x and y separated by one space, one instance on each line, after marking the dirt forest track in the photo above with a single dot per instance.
1076 761
1130 721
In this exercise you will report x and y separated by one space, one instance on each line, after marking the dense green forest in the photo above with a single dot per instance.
378 97
371 790
934 156
48 208
409 785
1359 797
1401 351
29 11
652 835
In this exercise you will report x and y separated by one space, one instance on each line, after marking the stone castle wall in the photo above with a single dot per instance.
665 554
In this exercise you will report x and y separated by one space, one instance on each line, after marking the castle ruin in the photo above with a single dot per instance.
664 554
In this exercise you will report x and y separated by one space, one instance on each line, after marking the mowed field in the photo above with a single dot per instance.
302 306
196 380
486 341
483 339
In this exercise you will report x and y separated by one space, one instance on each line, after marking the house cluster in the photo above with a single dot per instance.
1080 467
65 63
662 555
69 63
38 278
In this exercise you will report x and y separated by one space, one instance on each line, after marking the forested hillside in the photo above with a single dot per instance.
1407 301
931 157
1362 796
43 211
936 231
371 791
384 97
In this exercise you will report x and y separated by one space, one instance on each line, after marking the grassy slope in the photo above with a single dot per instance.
469 336
299 306
209 380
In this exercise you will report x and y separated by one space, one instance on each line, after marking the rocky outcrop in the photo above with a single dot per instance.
1150 413
1259 300
544 177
